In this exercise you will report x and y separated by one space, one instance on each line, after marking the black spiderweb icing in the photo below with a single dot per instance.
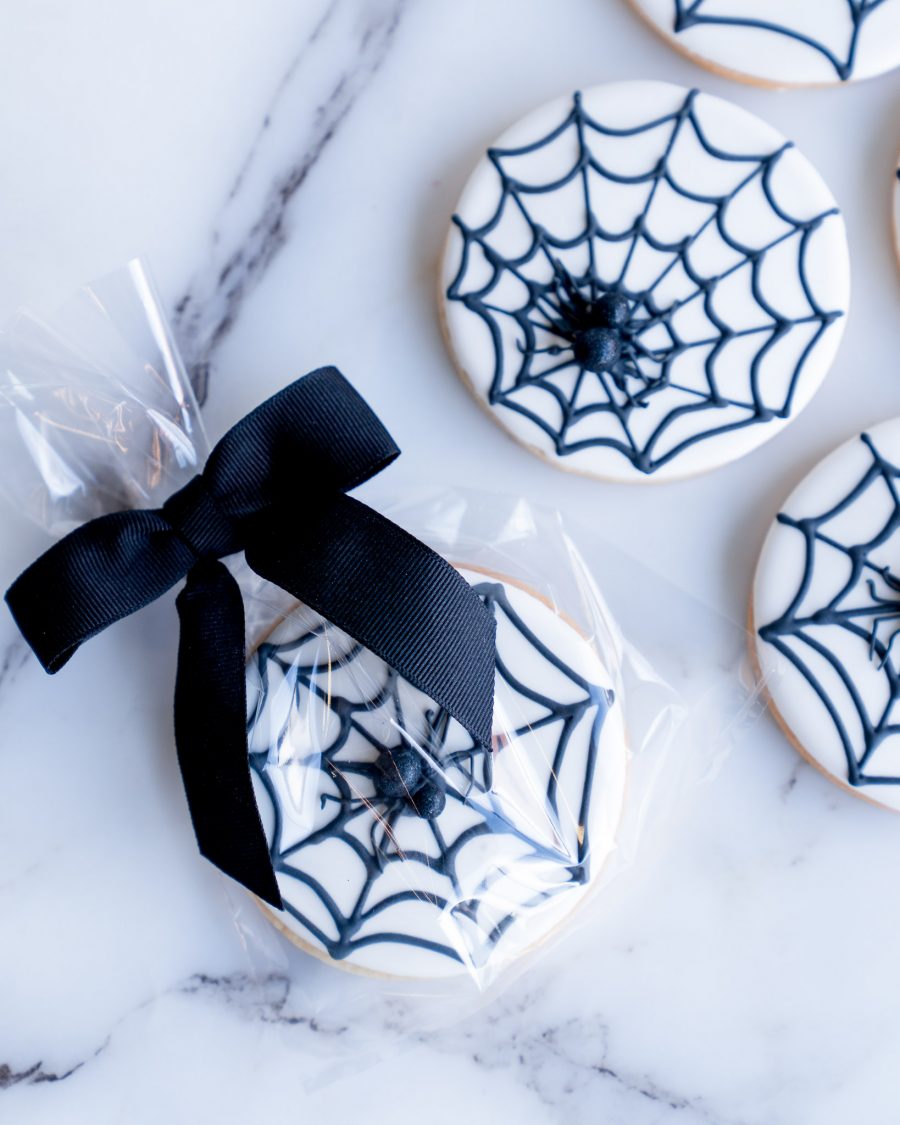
866 609
695 13
365 823
646 405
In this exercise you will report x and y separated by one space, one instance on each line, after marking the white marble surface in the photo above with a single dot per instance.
289 169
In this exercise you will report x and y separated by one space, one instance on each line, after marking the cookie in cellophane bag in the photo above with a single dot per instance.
402 847
404 850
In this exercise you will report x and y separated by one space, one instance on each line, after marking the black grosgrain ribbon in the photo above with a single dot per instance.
275 488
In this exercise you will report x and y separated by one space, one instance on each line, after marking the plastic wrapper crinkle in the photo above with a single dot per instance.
411 861
96 412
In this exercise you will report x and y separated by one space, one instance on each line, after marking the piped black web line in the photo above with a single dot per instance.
689 13
558 308
467 775
792 634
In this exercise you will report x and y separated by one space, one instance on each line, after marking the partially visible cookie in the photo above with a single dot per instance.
826 615
644 282
895 210
782 42
400 848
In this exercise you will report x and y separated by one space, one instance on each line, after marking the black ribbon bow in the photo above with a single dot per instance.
275 488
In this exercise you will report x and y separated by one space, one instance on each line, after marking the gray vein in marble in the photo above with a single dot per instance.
15 655
263 998
315 36
578 1049
790 785
36 1075
563 1063
308 109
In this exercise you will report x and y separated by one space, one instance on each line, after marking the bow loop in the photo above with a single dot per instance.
95 576
327 437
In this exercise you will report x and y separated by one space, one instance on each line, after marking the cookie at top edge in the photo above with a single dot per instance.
782 42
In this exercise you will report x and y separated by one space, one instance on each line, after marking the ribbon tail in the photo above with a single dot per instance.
211 730
394 595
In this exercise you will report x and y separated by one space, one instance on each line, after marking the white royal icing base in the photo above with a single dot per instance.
751 221
777 583
771 57
497 872
895 211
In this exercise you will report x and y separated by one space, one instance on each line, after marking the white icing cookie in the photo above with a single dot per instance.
826 607
783 42
402 850
895 210
644 282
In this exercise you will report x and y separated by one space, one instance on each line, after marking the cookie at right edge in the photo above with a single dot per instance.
826 615
782 42
644 282
895 211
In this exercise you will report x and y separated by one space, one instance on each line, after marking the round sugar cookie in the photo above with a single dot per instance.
400 848
644 282
825 614
782 42
895 210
